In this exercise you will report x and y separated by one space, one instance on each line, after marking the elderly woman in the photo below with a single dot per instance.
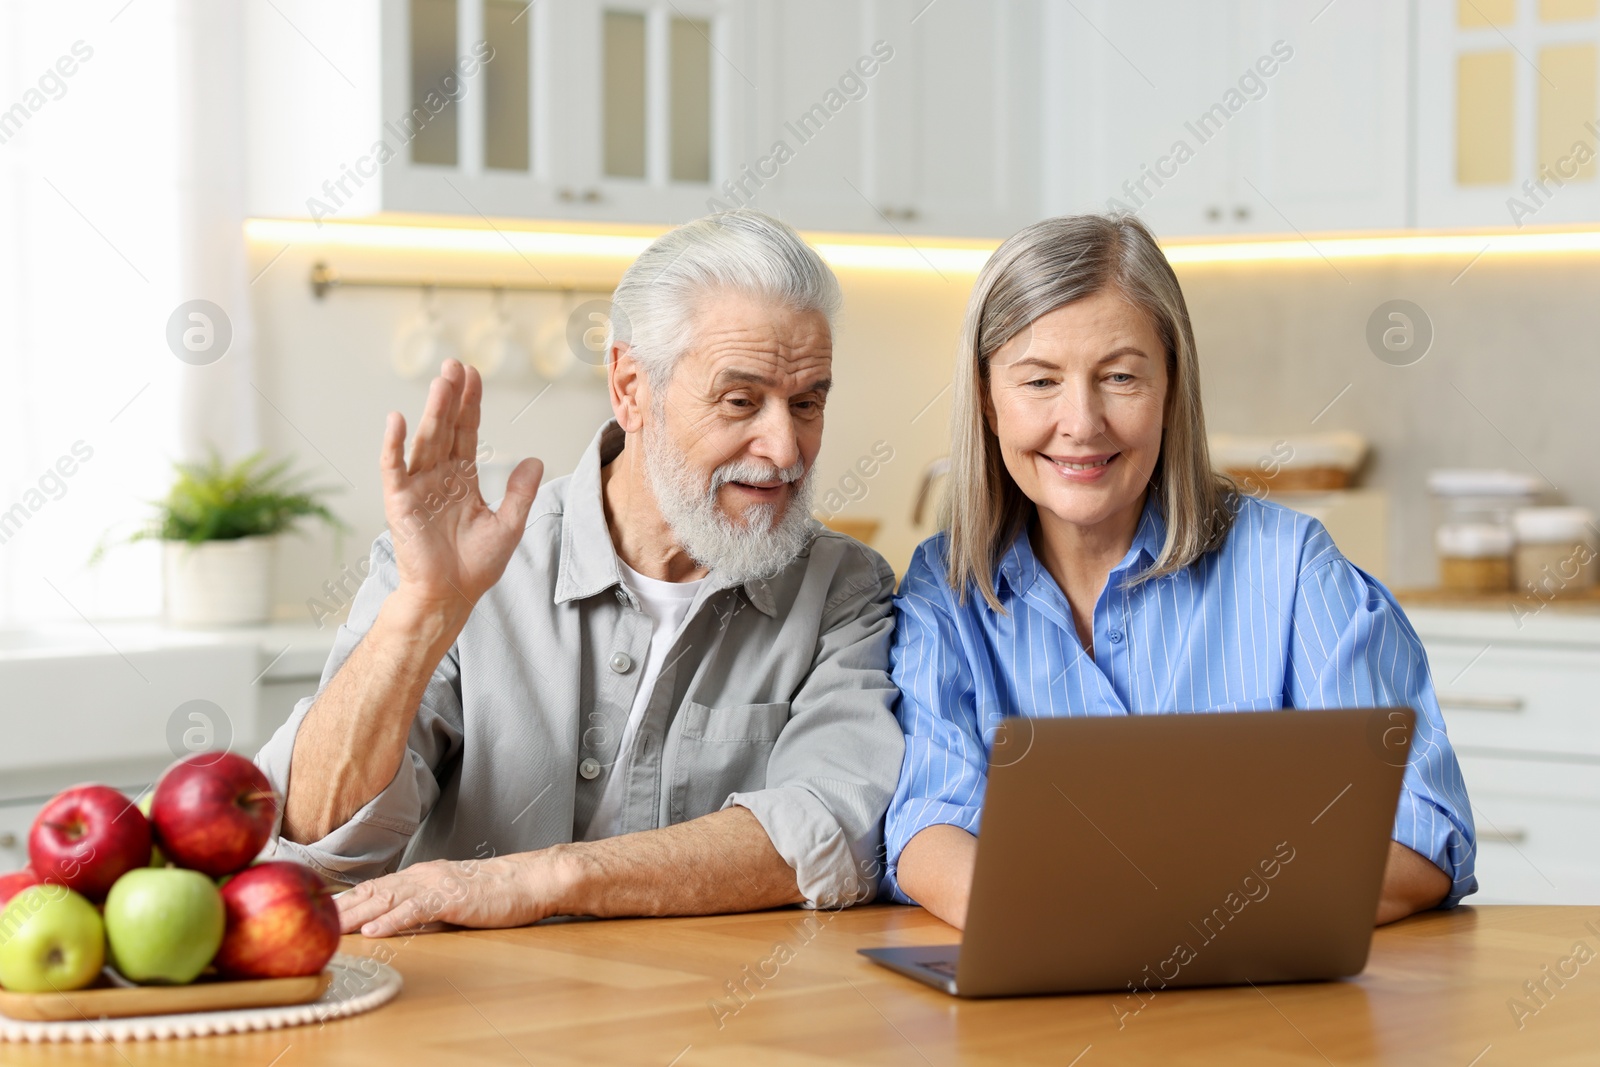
1094 564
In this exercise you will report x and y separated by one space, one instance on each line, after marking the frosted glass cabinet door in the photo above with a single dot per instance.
508 87
618 110
653 97
489 149
1507 106
432 76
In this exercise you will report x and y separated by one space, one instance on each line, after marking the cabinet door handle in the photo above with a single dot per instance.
1241 212
587 196
1469 702
1214 214
1503 837
8 840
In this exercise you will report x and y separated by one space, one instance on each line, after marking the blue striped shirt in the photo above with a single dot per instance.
1276 617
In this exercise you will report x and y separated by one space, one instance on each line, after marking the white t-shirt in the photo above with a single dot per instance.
667 603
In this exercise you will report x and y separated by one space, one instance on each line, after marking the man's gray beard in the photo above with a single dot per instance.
737 554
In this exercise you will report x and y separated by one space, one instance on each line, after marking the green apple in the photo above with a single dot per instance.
163 924
50 939
156 858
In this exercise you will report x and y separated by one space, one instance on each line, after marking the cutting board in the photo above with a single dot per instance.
107 1001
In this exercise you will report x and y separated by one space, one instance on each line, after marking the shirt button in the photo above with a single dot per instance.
621 662
1115 635
589 768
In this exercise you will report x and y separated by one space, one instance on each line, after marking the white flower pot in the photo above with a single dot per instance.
217 583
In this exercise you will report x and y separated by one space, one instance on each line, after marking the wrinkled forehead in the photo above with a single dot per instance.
740 339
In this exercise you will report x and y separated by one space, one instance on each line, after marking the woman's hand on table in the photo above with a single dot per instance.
497 892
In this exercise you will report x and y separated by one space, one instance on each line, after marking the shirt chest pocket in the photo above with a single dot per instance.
719 751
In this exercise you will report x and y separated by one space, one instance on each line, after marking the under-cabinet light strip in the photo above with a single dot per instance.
934 257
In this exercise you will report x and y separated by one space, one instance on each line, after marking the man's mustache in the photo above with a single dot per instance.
750 471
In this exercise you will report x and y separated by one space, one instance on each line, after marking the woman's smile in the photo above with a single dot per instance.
1081 470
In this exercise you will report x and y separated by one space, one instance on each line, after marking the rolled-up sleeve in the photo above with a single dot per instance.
943 776
1352 646
372 842
833 767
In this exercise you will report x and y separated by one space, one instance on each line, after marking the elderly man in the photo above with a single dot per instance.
654 687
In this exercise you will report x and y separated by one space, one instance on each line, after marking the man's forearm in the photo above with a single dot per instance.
722 862
353 737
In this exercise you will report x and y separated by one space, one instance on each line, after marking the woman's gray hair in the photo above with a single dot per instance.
740 251
1035 271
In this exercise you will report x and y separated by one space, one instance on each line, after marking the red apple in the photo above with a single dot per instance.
282 922
15 882
212 813
87 838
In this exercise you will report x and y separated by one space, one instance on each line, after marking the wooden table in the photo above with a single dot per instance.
656 992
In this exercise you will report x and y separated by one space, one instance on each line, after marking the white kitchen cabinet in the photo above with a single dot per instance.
814 158
880 116
1532 851
1520 705
1226 118
896 116
1125 83
1329 138
620 110
1506 111
957 136
654 102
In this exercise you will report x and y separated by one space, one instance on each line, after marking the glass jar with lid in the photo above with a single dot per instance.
1473 532
1555 550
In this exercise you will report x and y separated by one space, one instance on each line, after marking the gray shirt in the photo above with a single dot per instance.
775 697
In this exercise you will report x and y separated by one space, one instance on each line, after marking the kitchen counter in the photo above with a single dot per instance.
1437 989
1587 600
288 649
116 702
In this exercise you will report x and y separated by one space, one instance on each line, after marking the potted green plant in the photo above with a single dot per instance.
218 526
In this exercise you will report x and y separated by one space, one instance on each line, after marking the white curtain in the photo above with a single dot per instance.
121 198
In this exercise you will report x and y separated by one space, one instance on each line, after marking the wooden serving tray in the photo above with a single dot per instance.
107 1001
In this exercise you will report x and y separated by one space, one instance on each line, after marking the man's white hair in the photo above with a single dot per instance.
740 251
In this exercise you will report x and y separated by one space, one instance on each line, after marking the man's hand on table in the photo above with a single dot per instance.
491 893
722 862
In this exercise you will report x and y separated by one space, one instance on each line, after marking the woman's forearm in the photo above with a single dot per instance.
354 736
935 870
1410 884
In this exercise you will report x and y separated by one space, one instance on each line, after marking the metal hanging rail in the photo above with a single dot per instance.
324 278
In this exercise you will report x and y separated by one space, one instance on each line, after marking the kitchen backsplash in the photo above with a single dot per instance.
1511 379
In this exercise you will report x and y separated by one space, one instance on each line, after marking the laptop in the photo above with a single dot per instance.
1151 852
